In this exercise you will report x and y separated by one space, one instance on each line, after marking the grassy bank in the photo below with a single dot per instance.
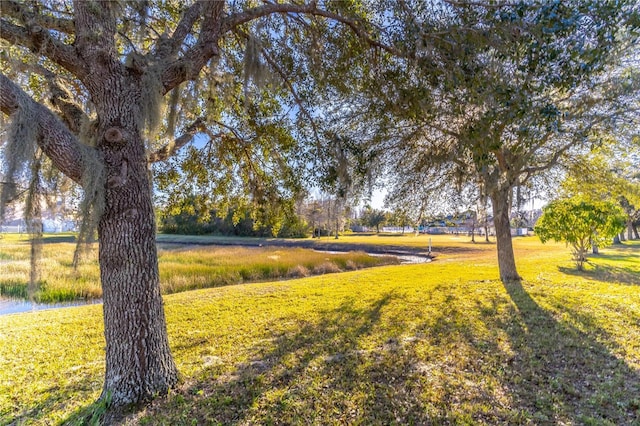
439 343
182 267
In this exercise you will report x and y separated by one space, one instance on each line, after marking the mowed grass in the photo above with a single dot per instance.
438 343
182 267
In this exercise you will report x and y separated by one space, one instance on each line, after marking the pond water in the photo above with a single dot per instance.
404 258
15 306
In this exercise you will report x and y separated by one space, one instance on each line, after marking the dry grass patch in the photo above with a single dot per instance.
298 271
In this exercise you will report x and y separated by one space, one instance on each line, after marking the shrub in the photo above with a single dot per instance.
326 268
580 224
298 271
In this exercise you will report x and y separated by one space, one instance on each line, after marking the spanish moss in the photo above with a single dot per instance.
151 102
18 153
93 202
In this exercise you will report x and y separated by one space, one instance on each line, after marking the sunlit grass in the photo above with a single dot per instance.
57 279
438 343
211 267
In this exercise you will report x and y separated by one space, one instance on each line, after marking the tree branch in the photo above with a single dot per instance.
174 146
215 24
292 90
70 113
55 140
235 132
441 129
171 46
38 40
20 12
530 171
232 21
191 63
488 5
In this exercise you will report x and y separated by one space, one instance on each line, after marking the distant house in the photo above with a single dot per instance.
397 229
15 226
57 225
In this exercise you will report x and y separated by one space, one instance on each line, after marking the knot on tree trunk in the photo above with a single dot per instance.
130 215
114 136
35 28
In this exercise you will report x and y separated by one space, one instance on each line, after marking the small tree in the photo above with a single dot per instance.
374 218
580 224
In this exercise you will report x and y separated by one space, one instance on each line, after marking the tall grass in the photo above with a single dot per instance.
181 268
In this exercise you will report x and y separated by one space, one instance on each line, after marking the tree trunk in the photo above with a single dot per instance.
629 229
580 254
500 198
139 364
138 360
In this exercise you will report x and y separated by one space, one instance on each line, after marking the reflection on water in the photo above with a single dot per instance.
14 306
404 258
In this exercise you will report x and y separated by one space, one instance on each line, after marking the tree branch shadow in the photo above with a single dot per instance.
559 374
293 378
612 274
354 364
56 399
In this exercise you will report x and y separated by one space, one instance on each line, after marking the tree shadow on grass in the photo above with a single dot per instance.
497 359
317 372
612 274
57 398
504 360
561 375
55 239
625 270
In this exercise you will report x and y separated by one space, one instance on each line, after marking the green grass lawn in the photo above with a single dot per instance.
438 343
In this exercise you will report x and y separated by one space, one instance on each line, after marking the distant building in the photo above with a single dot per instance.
397 229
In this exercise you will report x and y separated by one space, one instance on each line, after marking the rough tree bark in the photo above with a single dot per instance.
138 360
139 364
501 201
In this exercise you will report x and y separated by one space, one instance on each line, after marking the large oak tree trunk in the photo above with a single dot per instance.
139 364
501 200
138 361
